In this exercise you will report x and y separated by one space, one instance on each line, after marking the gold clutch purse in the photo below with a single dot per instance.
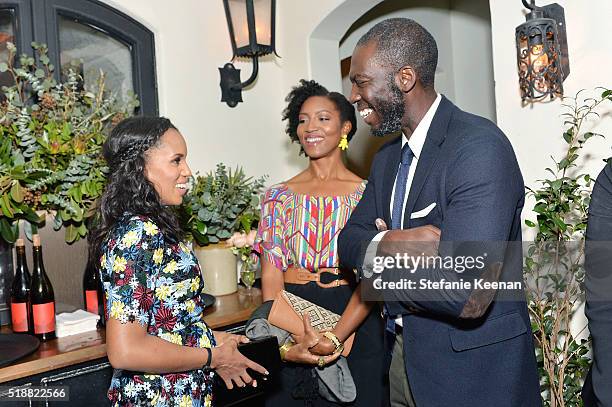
287 310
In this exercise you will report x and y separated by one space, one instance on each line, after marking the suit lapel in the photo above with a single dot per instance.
429 154
391 166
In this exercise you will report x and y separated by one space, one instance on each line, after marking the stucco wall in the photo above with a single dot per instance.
192 42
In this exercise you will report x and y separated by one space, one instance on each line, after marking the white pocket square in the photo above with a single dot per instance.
423 212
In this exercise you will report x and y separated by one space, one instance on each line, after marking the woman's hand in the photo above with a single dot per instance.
231 365
324 347
222 337
300 352
310 337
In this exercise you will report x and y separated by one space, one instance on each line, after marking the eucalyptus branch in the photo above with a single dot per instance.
56 131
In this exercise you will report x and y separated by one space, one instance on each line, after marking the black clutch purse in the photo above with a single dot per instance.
263 351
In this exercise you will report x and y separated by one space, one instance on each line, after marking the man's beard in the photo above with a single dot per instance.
390 111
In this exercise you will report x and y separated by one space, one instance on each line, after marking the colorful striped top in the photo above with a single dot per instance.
302 230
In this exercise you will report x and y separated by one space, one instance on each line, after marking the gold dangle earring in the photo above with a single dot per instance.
343 142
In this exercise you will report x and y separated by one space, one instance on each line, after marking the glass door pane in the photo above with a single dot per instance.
94 50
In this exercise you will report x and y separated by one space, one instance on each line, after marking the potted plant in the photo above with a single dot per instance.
554 264
219 204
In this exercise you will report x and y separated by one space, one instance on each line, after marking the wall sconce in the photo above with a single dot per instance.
251 29
541 46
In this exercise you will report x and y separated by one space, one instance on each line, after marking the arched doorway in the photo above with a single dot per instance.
462 29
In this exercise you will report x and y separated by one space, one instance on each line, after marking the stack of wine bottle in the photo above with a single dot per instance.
32 298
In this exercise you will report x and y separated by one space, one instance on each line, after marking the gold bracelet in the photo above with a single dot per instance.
332 337
285 348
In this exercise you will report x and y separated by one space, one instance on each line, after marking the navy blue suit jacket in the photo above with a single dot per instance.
597 390
468 168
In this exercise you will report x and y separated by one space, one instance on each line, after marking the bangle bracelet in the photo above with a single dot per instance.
208 359
332 337
285 348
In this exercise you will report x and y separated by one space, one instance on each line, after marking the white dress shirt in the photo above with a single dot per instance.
415 142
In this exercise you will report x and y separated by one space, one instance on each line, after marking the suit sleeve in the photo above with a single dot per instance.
484 192
360 229
598 263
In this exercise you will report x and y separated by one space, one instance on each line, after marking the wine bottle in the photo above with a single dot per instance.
93 297
21 308
41 296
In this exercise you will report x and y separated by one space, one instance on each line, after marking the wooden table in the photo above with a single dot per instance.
70 350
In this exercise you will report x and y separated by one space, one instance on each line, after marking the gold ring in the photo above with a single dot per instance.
321 362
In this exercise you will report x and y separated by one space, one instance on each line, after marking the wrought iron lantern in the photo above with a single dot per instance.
541 46
251 29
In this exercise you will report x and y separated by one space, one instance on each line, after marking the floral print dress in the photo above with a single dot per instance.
158 285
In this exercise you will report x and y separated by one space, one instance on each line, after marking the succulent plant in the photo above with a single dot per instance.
220 203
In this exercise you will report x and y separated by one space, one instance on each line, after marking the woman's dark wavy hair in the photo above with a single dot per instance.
298 95
127 190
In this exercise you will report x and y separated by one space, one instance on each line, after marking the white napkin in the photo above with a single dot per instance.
72 323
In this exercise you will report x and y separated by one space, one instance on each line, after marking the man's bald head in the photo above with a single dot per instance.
403 42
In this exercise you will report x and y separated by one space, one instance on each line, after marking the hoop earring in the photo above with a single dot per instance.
343 142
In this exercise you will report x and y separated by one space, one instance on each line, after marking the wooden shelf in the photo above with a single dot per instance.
70 350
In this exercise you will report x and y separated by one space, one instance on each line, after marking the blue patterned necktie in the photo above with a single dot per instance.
400 187
398 209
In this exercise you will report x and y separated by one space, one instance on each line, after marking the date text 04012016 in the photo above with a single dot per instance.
27 393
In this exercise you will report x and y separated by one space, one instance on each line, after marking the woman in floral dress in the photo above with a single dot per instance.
296 239
162 351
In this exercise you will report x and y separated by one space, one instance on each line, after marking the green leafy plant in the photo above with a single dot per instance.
554 270
220 203
50 150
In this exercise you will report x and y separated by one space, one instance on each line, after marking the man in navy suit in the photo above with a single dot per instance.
597 390
453 176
